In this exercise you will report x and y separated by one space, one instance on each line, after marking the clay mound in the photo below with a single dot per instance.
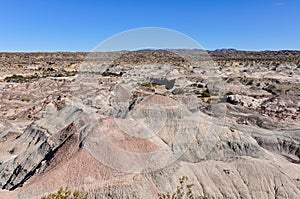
79 171
111 131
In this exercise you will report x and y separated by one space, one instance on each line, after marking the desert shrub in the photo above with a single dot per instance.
148 84
65 193
14 78
20 78
205 94
183 191
206 100
24 99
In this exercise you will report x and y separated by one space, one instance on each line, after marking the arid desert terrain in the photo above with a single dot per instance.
129 124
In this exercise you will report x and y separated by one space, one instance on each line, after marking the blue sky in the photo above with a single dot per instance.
70 25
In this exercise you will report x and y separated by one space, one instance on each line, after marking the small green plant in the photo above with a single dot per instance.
183 191
65 193
205 94
148 85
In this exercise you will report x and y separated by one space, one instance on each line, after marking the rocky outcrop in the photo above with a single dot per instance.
35 147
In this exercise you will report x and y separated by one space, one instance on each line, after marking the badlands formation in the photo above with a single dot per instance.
129 124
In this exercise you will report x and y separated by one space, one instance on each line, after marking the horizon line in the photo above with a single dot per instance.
208 50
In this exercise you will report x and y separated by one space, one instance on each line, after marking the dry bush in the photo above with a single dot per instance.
183 191
66 194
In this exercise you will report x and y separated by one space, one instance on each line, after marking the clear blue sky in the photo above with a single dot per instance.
74 25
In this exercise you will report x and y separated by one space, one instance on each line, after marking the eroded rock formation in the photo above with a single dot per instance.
120 130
